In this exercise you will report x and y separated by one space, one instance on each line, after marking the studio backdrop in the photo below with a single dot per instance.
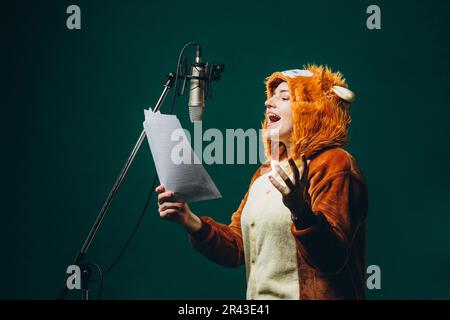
73 98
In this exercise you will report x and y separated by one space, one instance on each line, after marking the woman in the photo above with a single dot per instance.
300 227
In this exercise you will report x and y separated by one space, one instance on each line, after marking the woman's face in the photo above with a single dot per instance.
278 115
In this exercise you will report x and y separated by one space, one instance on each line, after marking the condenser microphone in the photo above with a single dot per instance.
197 88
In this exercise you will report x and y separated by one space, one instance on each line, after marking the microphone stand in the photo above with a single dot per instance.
79 260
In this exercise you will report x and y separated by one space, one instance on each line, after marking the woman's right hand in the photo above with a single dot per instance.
178 212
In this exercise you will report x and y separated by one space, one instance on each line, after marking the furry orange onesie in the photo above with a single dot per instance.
330 255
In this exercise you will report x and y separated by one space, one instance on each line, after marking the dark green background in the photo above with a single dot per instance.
72 108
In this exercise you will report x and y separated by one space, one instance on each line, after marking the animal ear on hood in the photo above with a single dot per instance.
345 94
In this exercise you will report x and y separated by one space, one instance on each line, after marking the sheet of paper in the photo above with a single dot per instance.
187 179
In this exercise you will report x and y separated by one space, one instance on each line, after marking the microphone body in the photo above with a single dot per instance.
197 89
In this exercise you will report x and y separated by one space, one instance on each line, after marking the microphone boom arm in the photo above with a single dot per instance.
79 260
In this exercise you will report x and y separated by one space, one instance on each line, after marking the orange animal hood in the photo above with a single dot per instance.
320 116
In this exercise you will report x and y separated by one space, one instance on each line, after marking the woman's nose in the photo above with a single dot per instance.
269 103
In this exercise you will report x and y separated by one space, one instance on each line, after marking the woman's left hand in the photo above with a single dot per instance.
292 191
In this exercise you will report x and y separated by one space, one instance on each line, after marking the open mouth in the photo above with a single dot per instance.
272 118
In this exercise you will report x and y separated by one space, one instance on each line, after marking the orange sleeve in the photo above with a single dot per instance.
219 242
339 202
